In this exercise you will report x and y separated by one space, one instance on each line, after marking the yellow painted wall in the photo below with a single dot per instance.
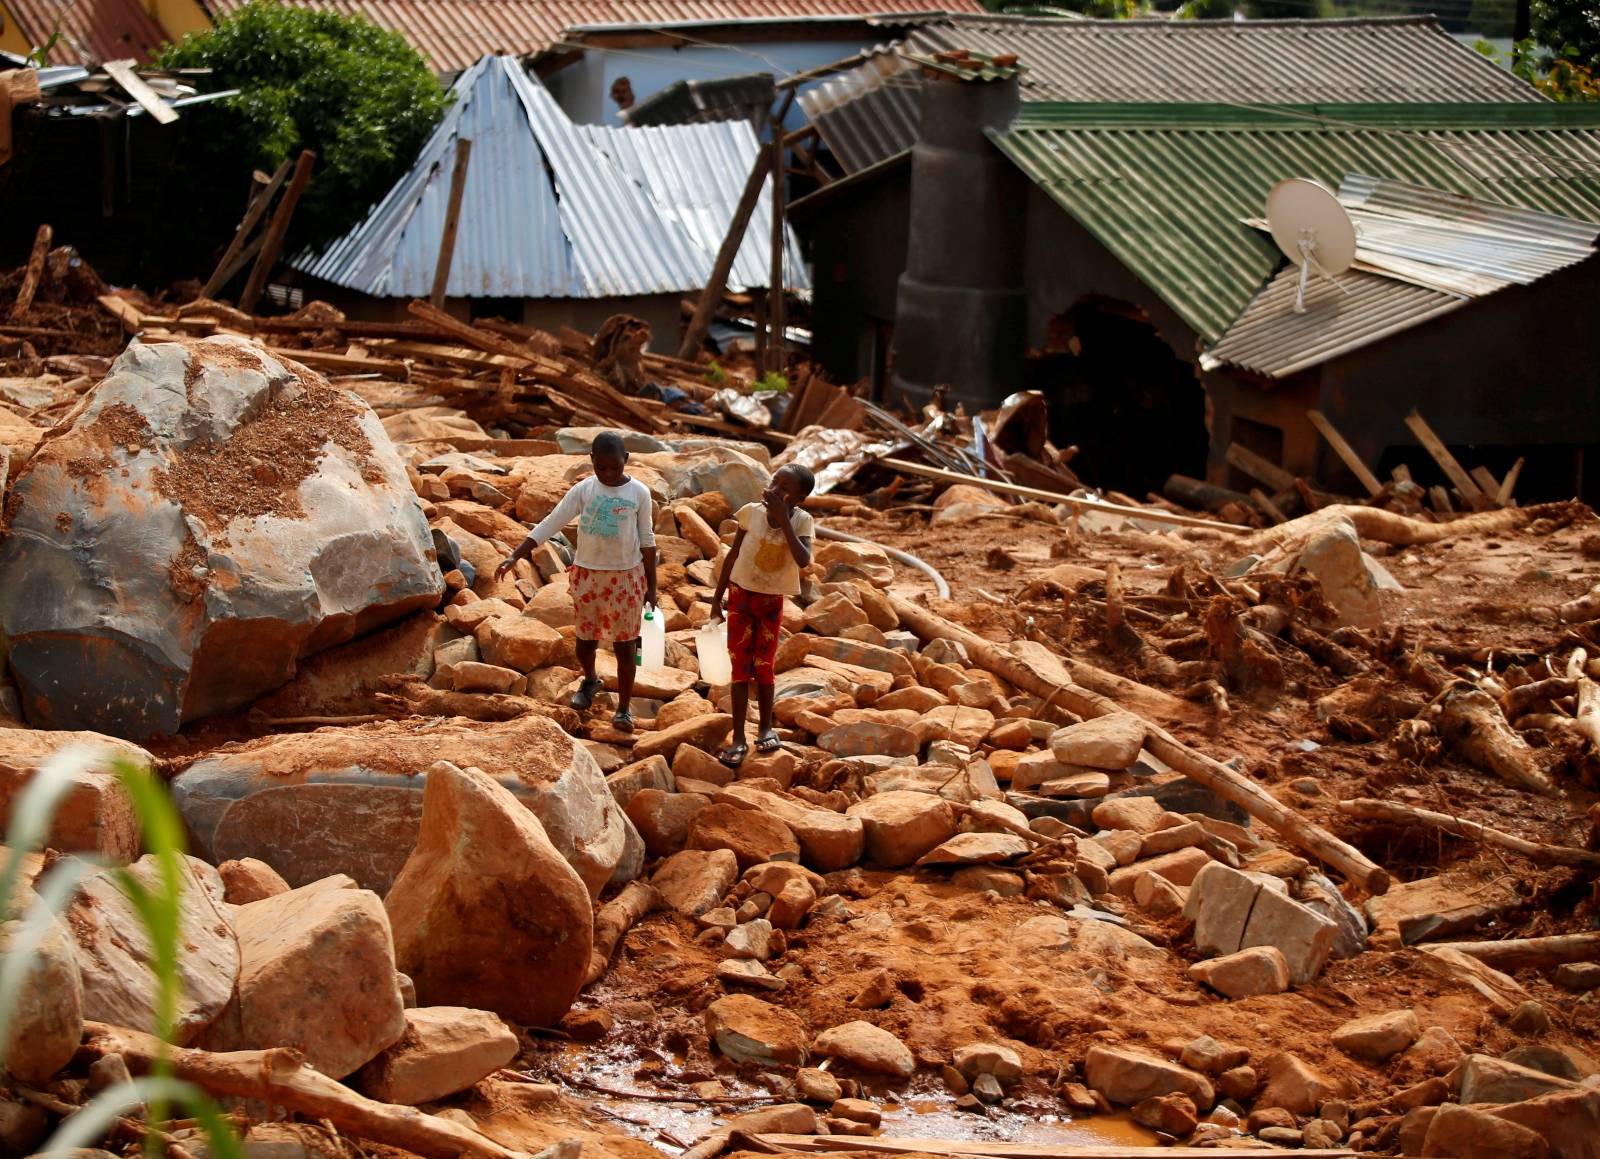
178 17
11 38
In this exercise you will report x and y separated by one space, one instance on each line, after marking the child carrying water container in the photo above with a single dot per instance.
773 544
613 573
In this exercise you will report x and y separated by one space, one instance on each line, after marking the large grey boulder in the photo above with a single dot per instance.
210 517
350 800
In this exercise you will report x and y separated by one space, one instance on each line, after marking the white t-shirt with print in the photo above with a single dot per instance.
614 523
765 563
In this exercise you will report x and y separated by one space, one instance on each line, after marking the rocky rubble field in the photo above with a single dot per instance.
1193 838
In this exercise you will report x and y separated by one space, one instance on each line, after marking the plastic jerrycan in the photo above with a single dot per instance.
711 646
653 640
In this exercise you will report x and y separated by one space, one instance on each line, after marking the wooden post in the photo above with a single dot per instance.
276 229
35 271
1345 452
252 215
711 296
1459 479
776 347
1509 483
452 218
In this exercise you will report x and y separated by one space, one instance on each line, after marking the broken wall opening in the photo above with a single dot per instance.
1133 408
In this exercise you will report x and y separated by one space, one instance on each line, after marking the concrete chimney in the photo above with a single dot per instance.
961 309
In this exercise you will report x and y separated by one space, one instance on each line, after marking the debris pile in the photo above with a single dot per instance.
1090 814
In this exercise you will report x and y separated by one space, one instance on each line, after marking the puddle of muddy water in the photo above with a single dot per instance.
927 1112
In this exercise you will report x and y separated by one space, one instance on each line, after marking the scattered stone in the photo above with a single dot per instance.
1128 1076
864 738
902 826
1184 836
753 837
857 1111
988 1058
1460 1132
1179 868
866 1047
1207 1055
1578 975
817 1086
1121 844
463 928
96 814
629 780
1239 1083
745 972
1530 1018
519 642
1141 815
1564 1062
746 1029
695 881
1436 1050
588 1025
879 990
341 938
1569 1122
829 841
1378 1037
1349 578
1106 742
987 1088
247 880
663 819
1245 974
115 956
792 904
476 676
1293 1086
975 849
1282 1136
1172 1114
753 939
1233 911
444 1049
1083 786
703 732
1267 1118
1155 895
1485 1079
988 878
46 1022
964 726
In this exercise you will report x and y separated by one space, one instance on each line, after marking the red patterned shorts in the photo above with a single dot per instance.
754 619
608 604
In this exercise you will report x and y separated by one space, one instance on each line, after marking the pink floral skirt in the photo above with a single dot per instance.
608 604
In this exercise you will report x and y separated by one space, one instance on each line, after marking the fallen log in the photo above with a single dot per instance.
33 272
1581 610
1521 699
280 1077
619 915
1369 809
1193 764
1530 953
1472 724
1387 527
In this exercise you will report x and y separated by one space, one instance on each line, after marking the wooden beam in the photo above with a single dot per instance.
252 217
1268 508
1485 479
344 363
1345 451
711 296
1509 483
777 348
1259 468
133 84
1459 479
452 218
34 272
276 230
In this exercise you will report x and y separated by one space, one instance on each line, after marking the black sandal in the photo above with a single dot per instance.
733 756
623 720
584 697
768 742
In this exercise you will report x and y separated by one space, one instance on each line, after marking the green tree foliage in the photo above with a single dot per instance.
1288 9
362 98
1206 10
1570 29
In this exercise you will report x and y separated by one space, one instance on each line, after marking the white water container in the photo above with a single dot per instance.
711 646
652 640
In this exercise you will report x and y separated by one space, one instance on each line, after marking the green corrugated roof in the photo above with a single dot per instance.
1164 187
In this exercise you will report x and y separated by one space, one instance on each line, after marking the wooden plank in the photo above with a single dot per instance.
452 219
131 83
1259 468
252 217
344 363
1459 479
996 1149
1441 501
1345 451
1268 508
711 296
1485 479
777 346
272 242
34 273
123 311
1509 483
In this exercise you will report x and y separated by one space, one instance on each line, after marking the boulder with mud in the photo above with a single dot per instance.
350 800
211 516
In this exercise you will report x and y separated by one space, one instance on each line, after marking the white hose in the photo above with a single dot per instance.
942 588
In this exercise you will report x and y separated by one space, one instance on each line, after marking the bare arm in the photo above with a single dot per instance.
565 512
727 570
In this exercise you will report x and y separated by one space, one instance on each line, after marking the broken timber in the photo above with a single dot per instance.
452 220
1369 809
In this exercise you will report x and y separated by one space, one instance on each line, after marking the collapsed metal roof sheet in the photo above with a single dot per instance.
1420 253
555 210
452 34
867 113
684 102
694 174
1167 188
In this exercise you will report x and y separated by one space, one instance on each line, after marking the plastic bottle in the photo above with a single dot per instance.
652 640
711 646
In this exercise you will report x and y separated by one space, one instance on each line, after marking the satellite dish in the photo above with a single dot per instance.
1312 229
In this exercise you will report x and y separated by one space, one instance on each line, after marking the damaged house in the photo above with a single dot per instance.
1088 215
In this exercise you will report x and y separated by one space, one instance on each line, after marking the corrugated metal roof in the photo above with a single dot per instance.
1420 253
555 210
868 113
695 174
92 31
687 102
1167 188
1267 61
453 34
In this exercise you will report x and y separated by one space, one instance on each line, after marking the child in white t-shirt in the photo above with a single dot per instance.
763 566
613 573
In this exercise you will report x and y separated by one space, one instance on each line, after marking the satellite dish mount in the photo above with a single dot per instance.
1313 231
